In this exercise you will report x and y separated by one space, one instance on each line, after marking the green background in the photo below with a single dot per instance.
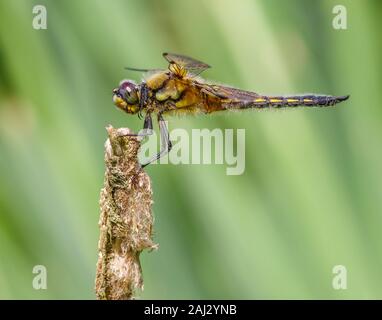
309 199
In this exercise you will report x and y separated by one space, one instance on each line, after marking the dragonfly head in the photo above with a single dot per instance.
125 96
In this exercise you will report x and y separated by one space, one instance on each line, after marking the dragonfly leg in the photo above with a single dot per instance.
147 128
166 144
144 96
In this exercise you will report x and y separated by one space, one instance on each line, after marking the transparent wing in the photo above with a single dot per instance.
147 73
141 70
190 64
228 93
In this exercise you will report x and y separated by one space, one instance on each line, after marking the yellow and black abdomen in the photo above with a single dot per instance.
295 101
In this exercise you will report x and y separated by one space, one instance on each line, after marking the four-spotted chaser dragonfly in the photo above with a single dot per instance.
179 90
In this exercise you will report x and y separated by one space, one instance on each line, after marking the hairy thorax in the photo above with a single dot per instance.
172 94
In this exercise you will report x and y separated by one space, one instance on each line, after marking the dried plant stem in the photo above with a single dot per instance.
126 221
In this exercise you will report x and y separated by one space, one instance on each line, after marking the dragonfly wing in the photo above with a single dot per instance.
143 70
146 72
219 97
228 93
192 65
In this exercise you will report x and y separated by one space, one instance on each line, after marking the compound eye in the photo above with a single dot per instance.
129 91
131 97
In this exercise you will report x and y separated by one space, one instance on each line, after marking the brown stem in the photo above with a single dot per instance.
126 221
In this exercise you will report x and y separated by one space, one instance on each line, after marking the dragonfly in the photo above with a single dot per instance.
179 90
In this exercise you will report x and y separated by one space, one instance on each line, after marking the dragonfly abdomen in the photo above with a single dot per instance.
295 101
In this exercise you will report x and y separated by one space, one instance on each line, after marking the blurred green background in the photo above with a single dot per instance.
309 199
